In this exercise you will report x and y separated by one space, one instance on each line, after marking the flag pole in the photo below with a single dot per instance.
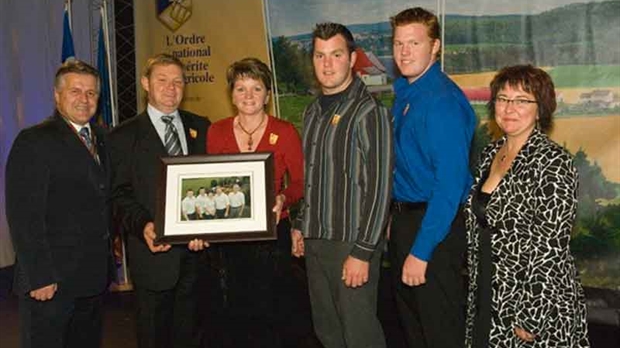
441 16
69 13
106 41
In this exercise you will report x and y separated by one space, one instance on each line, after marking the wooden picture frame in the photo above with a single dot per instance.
250 174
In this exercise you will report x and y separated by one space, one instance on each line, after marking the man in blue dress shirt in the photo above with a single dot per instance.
433 128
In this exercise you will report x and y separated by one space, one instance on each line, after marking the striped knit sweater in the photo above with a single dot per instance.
348 168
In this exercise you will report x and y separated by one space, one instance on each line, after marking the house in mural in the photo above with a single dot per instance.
615 103
602 98
369 68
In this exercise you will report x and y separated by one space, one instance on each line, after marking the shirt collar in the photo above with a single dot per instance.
156 114
77 127
402 85
348 93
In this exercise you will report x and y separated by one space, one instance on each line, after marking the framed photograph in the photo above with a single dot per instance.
217 198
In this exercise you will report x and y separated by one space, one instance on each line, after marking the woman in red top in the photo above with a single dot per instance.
255 279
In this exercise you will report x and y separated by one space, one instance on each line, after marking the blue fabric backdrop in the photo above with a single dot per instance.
30 47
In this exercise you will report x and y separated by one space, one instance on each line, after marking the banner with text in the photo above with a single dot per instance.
207 36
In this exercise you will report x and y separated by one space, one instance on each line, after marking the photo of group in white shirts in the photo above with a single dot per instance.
211 198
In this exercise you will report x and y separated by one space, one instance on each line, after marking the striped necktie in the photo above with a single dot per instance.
88 141
85 135
172 141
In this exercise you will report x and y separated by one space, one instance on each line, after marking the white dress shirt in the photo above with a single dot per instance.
236 199
155 116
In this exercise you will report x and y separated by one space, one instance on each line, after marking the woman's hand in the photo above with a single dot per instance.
297 245
149 239
280 199
524 335
197 245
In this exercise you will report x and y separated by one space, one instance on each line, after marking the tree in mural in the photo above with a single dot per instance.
482 137
597 231
293 67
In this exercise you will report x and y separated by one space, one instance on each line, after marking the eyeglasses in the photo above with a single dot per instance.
516 102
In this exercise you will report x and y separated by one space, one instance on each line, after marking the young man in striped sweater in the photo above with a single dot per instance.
347 144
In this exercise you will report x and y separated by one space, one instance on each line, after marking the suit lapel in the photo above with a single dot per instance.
524 157
493 205
518 174
148 137
77 149
102 152
70 137
190 133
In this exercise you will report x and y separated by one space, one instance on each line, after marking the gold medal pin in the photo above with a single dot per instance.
335 119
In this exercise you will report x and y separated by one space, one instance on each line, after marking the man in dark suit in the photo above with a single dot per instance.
165 276
57 185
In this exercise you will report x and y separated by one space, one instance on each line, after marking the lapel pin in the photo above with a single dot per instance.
335 119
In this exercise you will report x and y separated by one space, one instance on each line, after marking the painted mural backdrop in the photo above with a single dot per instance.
578 43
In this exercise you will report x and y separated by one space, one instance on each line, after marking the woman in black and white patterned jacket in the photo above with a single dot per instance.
524 289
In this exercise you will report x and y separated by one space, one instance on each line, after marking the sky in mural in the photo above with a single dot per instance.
296 17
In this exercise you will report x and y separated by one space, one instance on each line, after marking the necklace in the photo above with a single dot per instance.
250 141
503 153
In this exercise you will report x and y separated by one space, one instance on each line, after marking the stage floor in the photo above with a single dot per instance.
119 323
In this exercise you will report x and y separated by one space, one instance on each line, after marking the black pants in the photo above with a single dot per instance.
169 318
432 314
255 297
64 321
343 317
234 212
220 213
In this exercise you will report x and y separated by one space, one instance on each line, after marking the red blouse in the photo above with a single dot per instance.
281 139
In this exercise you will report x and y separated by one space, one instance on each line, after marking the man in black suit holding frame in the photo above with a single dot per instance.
57 190
165 276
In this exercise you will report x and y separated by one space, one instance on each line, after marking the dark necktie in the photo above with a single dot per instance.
85 135
88 141
172 141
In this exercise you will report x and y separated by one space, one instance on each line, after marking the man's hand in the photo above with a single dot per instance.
149 238
297 245
197 245
524 335
45 293
354 272
414 271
